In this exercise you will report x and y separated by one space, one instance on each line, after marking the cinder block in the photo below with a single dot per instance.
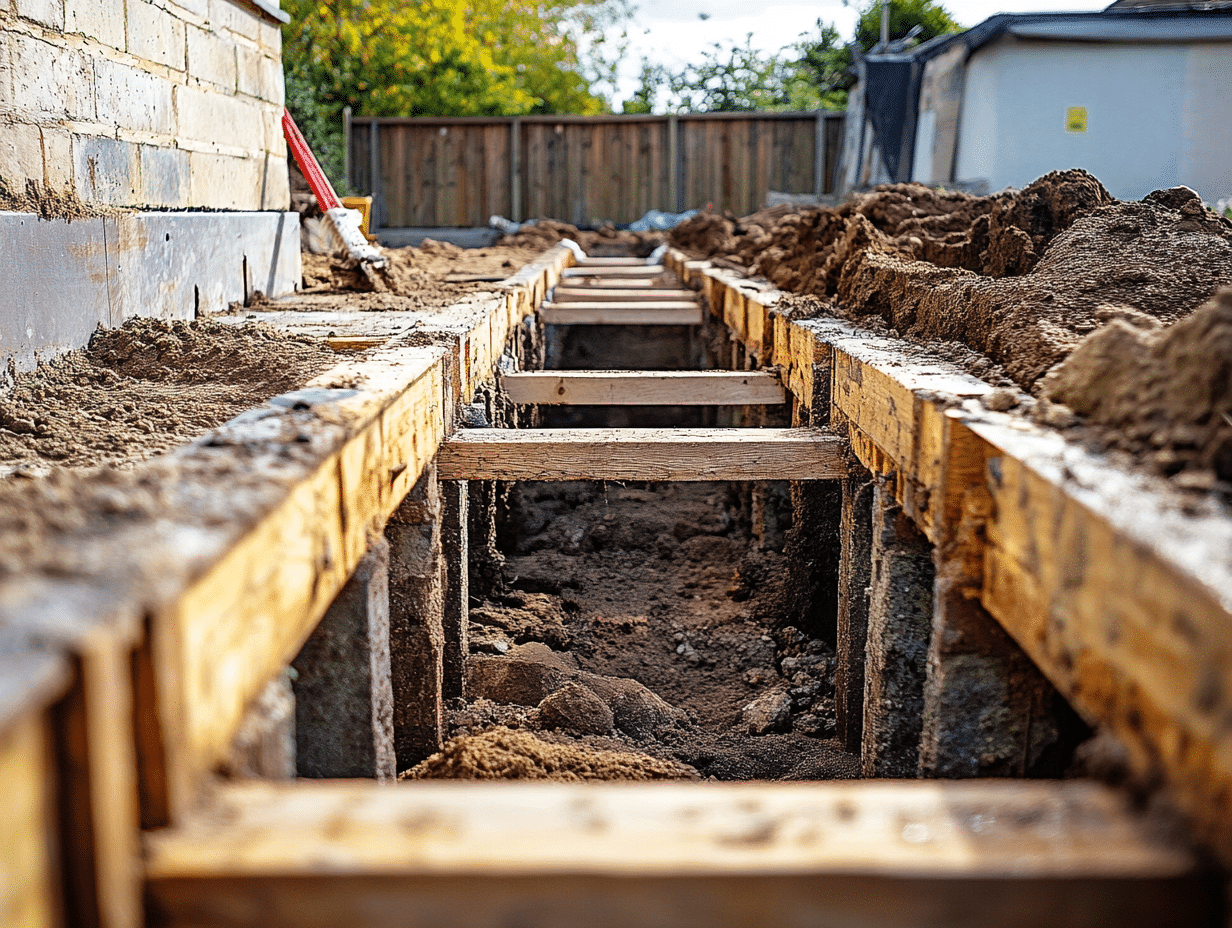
155 34
106 170
6 73
21 154
216 119
276 190
344 700
49 13
226 14
224 182
211 58
269 37
57 158
164 176
200 8
273 140
259 75
50 81
101 21
131 99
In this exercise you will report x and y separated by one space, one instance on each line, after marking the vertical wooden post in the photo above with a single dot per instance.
819 154
344 700
855 577
374 172
899 625
675 195
416 633
515 169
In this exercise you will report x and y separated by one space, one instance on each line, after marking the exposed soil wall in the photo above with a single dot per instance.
1011 285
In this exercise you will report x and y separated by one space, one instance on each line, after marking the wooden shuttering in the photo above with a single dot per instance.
644 388
1113 583
670 855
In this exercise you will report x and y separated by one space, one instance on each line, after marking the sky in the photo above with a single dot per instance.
671 32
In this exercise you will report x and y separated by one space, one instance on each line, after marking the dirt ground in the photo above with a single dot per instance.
144 389
1023 289
628 624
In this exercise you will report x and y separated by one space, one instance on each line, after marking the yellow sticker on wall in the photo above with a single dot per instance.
1076 119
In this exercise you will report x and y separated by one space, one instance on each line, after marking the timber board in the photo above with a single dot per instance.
644 388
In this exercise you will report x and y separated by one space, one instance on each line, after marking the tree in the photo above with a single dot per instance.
439 58
931 17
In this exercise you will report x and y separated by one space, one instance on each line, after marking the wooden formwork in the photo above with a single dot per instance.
147 653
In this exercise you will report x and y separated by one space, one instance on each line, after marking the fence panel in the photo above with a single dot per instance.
438 172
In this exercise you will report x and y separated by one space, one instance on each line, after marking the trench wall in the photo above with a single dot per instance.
170 103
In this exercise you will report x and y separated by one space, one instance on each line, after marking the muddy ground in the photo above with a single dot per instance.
632 620
1028 289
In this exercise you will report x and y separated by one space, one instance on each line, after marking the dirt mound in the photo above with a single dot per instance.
1015 276
504 754
147 387
542 234
1162 392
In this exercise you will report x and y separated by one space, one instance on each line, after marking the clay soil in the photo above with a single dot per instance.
630 631
1023 289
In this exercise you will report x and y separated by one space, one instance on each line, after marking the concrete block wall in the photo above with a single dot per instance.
159 103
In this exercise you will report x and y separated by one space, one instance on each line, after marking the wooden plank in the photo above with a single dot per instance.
601 314
645 294
642 454
644 388
30 680
1122 592
671 855
644 270
611 262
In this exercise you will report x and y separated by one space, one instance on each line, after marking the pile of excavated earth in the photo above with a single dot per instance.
1109 317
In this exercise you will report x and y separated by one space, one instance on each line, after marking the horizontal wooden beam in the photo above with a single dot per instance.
611 262
956 854
644 270
642 454
645 294
621 314
645 388
622 283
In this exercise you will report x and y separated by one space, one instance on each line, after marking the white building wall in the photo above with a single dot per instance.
1158 115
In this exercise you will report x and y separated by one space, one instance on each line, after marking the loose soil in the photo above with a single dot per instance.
638 619
146 388
50 204
1011 285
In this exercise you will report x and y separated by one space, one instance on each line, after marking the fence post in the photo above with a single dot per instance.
819 155
374 170
673 159
515 169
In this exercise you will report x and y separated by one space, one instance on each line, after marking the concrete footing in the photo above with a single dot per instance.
417 577
344 697
896 647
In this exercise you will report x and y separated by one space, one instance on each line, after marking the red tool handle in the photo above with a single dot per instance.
307 162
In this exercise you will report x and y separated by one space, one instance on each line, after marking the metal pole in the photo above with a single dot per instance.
819 154
885 25
348 182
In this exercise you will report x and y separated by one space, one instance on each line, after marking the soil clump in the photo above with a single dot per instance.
49 203
629 619
146 388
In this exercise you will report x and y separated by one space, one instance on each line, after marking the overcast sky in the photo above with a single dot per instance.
672 32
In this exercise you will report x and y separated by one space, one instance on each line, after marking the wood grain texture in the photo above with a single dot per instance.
616 273
847 854
1125 600
644 388
627 314
642 454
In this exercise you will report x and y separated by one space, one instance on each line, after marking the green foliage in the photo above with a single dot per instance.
932 17
441 58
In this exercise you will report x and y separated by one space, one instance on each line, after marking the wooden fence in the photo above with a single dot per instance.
457 172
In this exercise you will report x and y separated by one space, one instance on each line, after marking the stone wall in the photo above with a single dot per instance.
160 103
